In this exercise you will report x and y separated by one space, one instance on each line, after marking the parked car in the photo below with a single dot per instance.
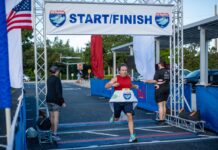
186 72
26 78
194 77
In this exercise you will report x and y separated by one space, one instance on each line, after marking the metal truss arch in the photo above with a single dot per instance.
177 98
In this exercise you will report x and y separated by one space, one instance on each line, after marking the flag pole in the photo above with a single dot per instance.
8 122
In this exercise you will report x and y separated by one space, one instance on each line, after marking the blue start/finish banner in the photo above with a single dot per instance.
90 18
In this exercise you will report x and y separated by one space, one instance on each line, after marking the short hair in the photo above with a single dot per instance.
123 65
54 69
162 63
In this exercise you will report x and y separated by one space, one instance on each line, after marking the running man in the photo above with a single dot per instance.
122 85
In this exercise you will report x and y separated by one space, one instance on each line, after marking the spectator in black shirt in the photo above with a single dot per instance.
161 81
54 99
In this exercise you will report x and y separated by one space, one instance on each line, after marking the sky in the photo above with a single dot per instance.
194 10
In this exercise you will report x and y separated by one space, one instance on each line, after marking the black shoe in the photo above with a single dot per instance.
160 122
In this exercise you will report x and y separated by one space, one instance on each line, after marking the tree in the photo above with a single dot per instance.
54 50
164 55
28 52
212 58
109 41
191 57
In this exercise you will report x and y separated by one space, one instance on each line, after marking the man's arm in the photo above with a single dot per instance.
112 82
150 81
135 86
59 92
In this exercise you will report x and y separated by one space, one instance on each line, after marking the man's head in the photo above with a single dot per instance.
161 64
123 70
54 70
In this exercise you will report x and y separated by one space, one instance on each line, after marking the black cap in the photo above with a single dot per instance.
54 69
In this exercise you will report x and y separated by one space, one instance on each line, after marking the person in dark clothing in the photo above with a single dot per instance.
161 79
54 99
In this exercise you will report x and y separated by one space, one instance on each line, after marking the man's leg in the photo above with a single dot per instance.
161 110
130 123
117 111
128 109
56 121
164 110
52 120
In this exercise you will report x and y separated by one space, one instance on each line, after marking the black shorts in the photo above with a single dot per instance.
53 107
122 106
162 93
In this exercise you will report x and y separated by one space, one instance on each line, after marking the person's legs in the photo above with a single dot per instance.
130 123
56 121
161 110
117 111
55 137
52 120
128 109
164 110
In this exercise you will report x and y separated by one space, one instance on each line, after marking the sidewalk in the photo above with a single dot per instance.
84 83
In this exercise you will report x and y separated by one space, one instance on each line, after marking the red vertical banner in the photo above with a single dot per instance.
97 56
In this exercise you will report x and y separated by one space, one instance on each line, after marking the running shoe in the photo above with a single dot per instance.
55 137
132 138
112 119
160 122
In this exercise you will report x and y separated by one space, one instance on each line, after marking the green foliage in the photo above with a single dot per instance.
108 77
213 58
191 57
58 48
110 41
55 49
28 53
164 55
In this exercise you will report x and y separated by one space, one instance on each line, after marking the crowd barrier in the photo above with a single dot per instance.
207 104
18 128
207 99
145 93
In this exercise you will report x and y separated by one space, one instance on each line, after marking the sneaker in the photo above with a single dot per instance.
132 138
112 119
55 137
160 122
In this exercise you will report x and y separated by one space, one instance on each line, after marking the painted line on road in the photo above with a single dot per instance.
141 143
124 138
156 130
4 146
73 89
3 136
100 123
111 129
100 133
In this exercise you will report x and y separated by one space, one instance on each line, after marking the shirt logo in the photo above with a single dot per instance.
127 95
57 17
162 19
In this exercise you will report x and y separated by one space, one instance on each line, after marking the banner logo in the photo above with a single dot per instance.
162 19
57 17
127 95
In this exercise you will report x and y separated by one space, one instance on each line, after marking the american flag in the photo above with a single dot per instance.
20 16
